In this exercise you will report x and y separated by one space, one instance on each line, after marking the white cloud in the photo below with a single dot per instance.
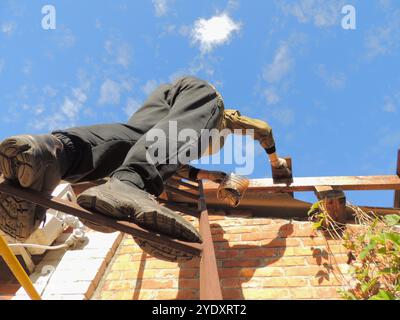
49 91
384 40
72 105
161 7
119 52
8 28
272 96
216 31
281 66
110 93
64 37
131 106
333 80
284 115
149 86
321 13
390 103
27 68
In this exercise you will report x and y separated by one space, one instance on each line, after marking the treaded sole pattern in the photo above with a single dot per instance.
17 218
158 220
163 252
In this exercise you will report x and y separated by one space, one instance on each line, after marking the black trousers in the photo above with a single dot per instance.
121 150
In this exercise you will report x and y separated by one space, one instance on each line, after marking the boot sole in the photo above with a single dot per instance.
21 161
156 220
163 252
17 217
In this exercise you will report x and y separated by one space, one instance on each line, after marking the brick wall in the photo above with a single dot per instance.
258 258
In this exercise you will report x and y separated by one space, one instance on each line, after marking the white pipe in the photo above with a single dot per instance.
38 246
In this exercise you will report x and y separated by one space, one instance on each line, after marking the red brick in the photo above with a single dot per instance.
156 284
123 285
231 283
285 282
262 272
226 237
256 236
281 242
267 293
301 293
232 294
323 260
303 271
194 263
261 252
325 293
229 272
286 261
221 254
242 263
319 241
184 295
189 284
188 273
326 281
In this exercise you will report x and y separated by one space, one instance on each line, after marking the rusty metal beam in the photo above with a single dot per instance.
210 287
183 193
389 182
397 192
75 210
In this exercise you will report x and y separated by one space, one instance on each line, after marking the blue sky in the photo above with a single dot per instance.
331 95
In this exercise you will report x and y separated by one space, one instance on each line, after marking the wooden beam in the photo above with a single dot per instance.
123 226
389 182
397 192
210 287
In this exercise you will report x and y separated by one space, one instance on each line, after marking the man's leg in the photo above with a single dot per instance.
75 155
194 105
97 151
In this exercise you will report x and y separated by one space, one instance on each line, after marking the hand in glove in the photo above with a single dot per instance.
280 170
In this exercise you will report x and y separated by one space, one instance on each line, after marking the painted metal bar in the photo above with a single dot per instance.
397 192
17 270
123 226
210 287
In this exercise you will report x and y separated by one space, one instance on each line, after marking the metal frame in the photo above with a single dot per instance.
209 280
210 288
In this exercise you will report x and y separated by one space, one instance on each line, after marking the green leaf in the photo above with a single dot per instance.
348 295
313 208
392 219
383 295
367 249
394 237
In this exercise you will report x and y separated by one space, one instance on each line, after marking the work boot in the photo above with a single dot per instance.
123 201
32 162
